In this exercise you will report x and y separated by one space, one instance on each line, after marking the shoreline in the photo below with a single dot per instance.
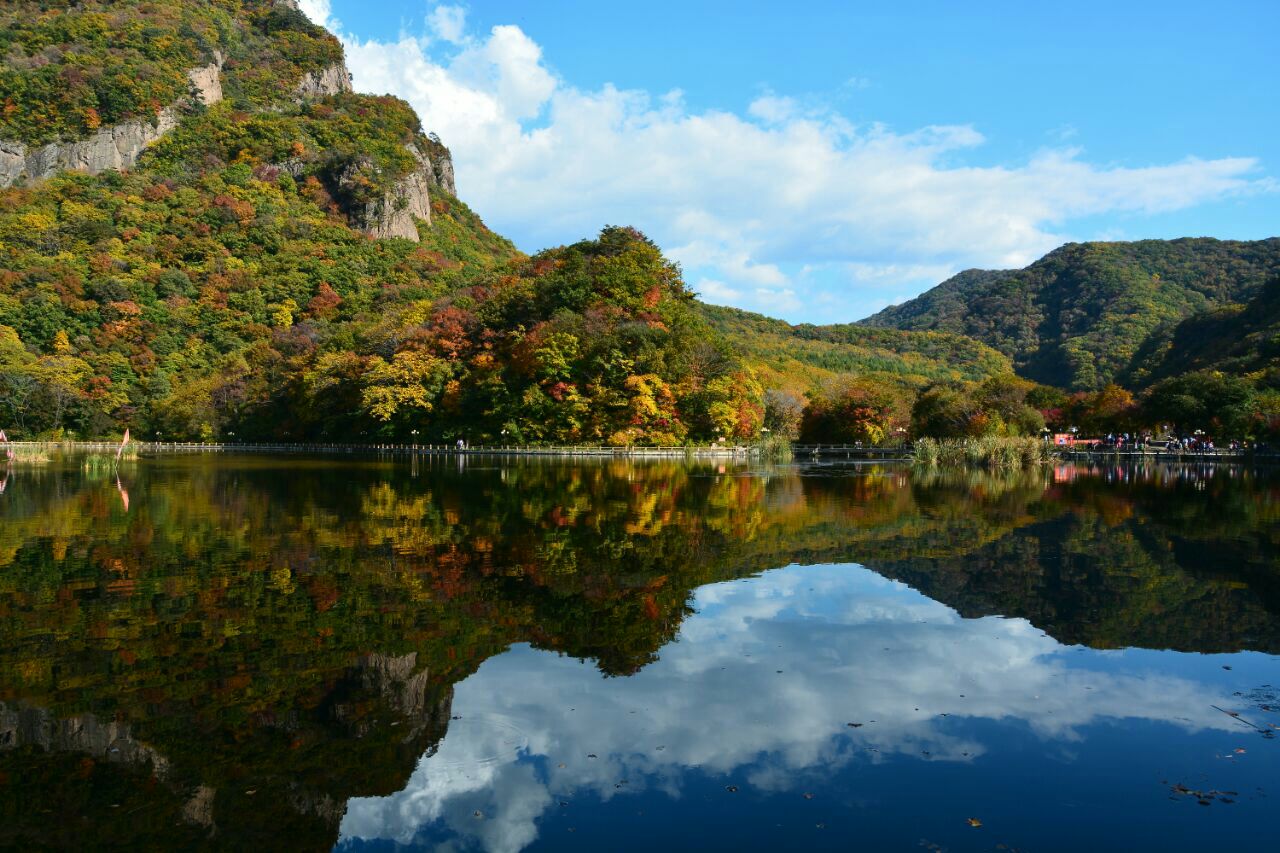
582 451
798 452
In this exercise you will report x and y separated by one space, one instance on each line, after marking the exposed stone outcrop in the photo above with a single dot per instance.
116 147
199 808
25 725
207 81
409 199
333 80
442 166
394 678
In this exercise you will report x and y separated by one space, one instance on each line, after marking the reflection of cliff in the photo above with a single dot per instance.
299 636
291 773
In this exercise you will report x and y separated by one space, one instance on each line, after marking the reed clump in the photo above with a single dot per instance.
28 455
774 448
995 452
105 463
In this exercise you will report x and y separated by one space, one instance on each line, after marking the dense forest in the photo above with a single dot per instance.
283 258
1088 313
233 284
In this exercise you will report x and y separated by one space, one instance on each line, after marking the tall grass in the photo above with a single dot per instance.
28 455
994 452
774 448
107 463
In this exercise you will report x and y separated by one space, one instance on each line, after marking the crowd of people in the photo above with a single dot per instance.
1196 443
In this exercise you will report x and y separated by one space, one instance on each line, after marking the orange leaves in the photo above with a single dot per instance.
234 209
325 303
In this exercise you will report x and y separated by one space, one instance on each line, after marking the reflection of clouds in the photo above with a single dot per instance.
852 647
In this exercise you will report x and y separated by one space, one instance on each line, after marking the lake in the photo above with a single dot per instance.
254 652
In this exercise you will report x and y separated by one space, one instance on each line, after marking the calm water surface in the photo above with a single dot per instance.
257 653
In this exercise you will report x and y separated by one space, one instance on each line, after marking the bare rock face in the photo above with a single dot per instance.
207 81
395 678
25 725
116 147
396 214
199 808
443 168
333 80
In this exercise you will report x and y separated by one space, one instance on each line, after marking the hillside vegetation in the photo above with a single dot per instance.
224 287
282 258
70 68
803 357
1088 313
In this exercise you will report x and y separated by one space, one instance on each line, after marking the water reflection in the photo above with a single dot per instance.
241 646
760 689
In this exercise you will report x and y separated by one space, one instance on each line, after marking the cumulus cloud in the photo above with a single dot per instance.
448 23
851 646
746 200
320 12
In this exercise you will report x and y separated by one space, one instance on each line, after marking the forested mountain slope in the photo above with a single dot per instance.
1081 316
207 234
1239 339
802 357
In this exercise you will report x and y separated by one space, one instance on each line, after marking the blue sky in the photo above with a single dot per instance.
819 162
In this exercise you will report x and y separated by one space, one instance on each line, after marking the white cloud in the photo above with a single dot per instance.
852 646
320 12
448 23
717 292
744 200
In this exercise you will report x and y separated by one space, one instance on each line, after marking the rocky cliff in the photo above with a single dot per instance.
116 147
28 726
397 212
332 80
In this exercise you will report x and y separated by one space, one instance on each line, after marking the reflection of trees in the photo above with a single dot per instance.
296 631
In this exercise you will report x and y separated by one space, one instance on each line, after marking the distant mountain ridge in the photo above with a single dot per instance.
802 357
1091 313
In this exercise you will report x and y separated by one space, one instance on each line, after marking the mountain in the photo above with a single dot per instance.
208 234
802 357
1091 313
1239 339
